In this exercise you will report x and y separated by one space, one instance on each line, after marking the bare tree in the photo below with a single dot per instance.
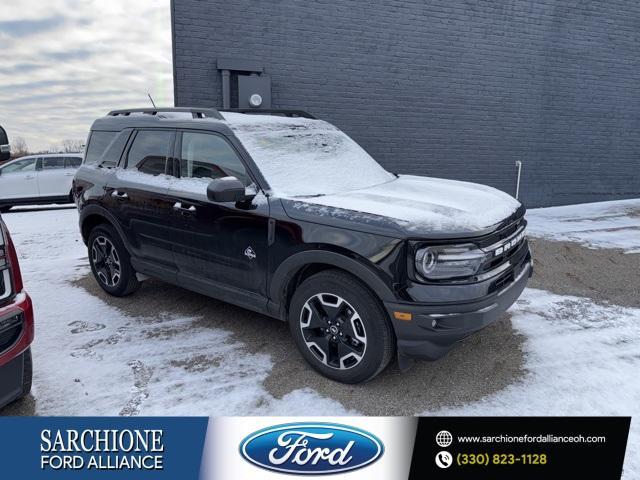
19 147
72 146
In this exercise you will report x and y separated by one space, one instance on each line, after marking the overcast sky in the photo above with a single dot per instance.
65 62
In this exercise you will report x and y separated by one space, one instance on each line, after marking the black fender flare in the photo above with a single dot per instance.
287 269
91 210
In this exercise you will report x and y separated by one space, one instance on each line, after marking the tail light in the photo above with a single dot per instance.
10 276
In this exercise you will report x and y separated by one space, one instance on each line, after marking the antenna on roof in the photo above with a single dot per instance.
152 102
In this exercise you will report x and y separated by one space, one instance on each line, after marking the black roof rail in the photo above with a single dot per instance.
286 113
195 112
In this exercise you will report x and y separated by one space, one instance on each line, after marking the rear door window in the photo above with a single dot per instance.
52 163
98 143
149 151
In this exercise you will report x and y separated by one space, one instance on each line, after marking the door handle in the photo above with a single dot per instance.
117 194
29 177
70 174
178 206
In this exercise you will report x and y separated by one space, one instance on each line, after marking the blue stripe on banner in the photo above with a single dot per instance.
101 447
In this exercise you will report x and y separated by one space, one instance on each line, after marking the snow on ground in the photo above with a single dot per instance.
581 358
90 359
613 224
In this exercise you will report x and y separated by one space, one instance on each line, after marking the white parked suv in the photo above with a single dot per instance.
38 179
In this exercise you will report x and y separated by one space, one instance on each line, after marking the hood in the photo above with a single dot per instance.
416 206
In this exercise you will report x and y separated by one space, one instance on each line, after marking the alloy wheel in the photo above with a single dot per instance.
333 331
106 261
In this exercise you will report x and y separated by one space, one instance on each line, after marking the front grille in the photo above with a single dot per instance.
502 282
10 331
519 255
511 255
505 245
502 234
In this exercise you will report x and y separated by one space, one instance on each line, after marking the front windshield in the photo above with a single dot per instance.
304 157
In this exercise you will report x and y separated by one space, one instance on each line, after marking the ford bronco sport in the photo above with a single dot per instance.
284 214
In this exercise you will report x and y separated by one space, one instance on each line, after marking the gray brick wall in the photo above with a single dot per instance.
457 89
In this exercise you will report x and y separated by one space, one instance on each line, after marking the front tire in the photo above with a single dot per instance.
340 327
110 262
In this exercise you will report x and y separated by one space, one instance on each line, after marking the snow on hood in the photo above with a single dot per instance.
420 205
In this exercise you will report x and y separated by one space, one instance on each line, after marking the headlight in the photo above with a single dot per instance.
449 261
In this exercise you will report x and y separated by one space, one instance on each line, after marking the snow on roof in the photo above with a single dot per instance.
305 157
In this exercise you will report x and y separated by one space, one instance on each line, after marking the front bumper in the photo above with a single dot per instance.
433 330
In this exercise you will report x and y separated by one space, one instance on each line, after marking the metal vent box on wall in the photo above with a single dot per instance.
254 91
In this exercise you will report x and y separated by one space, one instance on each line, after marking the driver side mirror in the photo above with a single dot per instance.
226 189
5 149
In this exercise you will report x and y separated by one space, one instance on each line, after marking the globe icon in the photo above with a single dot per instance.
444 438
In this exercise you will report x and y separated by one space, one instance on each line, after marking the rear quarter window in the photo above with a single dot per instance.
98 143
72 162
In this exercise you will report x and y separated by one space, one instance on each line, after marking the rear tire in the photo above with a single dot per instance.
110 262
340 327
5 209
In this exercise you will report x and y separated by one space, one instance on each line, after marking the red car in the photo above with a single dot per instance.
16 325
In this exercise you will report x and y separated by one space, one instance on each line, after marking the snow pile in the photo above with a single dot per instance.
613 224
301 156
582 358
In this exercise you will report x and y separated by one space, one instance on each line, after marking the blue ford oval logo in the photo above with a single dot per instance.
311 448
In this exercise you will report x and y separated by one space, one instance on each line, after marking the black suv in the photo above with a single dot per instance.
284 214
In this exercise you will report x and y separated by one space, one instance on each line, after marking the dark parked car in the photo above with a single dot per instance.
16 325
284 214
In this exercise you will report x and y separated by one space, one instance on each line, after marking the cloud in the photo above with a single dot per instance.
64 63
24 28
